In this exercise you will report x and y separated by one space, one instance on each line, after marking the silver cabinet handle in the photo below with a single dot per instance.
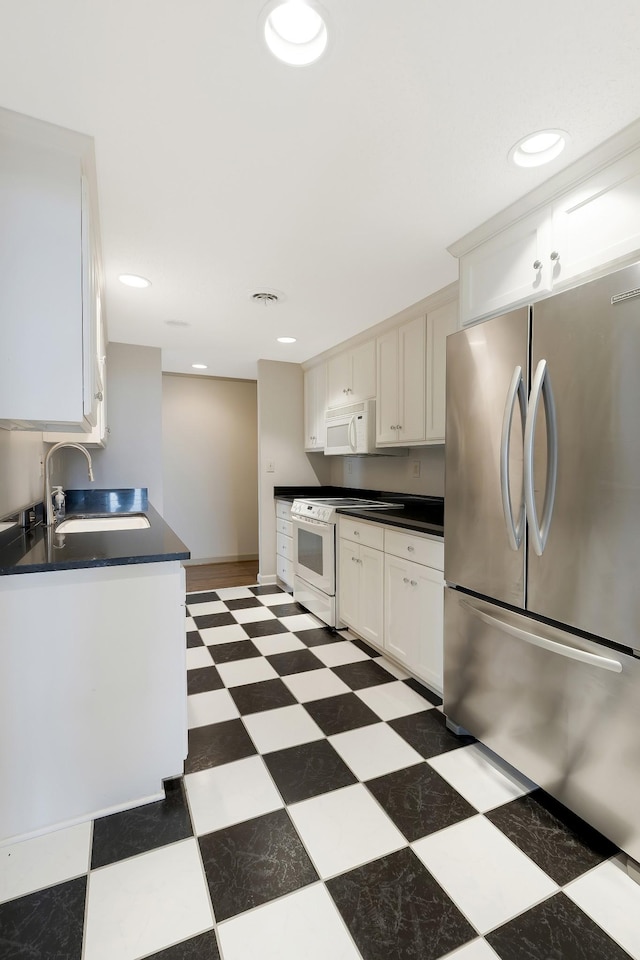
554 255
571 653
541 387
516 388
537 264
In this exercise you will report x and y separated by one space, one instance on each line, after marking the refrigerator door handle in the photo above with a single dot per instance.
516 388
541 388
604 663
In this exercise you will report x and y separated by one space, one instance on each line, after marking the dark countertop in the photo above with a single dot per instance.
420 514
38 549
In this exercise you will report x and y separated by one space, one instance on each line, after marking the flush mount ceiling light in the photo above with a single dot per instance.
286 339
538 148
177 323
131 280
295 30
199 366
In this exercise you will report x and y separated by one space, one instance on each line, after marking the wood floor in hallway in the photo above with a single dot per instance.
210 576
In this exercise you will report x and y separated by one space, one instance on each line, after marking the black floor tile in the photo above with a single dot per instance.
419 801
243 603
562 844
420 688
289 610
46 925
295 661
361 645
318 636
194 639
264 628
427 733
218 743
144 828
266 590
214 620
265 695
206 597
308 770
395 909
202 947
235 650
555 929
203 679
341 713
253 862
366 673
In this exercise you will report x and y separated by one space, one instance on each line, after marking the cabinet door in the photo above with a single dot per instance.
363 371
338 379
598 222
440 323
348 582
411 381
314 407
387 389
371 595
413 627
511 268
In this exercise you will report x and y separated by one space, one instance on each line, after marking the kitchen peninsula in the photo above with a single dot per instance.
92 667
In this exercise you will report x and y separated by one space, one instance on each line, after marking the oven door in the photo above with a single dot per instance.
314 553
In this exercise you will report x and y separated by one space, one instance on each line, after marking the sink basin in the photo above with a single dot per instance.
6 525
115 521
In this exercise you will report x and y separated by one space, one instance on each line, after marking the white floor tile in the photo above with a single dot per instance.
345 828
374 750
305 924
198 657
335 654
138 906
285 727
205 609
43 861
302 621
252 614
227 634
214 706
189 625
476 950
486 875
392 700
278 643
610 897
315 684
480 777
230 794
391 668
275 599
234 593
239 672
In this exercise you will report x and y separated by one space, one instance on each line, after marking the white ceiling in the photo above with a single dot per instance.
222 172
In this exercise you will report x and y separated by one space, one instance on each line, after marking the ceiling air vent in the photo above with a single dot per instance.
264 297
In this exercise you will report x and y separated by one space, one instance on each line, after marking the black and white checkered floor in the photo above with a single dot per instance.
325 814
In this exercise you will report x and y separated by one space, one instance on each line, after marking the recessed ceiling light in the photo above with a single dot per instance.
538 148
199 366
131 280
177 323
286 339
295 30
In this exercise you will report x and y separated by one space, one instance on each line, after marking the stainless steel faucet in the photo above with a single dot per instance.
47 476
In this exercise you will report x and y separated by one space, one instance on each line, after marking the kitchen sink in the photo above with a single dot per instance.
96 524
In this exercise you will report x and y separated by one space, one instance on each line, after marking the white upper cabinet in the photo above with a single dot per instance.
315 404
49 278
401 373
351 375
589 225
440 323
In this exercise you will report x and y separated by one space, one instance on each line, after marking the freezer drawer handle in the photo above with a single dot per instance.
516 389
604 663
541 388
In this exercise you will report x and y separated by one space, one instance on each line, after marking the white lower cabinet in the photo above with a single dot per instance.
284 543
413 619
360 578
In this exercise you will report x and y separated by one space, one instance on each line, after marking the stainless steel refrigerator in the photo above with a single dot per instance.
542 545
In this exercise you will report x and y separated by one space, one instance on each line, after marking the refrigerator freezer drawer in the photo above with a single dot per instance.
563 710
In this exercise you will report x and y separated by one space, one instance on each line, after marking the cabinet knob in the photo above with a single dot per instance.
99 396
411 549
414 583
537 264
405 579
392 427
399 427
356 533
554 255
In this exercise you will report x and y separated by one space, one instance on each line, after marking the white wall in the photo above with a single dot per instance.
133 455
21 482
393 474
281 442
210 465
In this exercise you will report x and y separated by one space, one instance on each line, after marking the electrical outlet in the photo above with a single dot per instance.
271 466
415 468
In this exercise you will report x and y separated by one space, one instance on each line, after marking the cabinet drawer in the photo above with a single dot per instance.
368 534
283 509
419 550
284 546
285 527
284 569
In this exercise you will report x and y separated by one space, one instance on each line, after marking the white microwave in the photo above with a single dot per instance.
351 429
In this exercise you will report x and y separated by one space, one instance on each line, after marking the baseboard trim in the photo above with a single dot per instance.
266 579
243 558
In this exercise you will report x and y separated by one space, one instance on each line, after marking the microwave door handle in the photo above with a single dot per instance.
352 433
516 389
541 390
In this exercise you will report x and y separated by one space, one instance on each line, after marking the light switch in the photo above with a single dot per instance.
415 468
271 466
